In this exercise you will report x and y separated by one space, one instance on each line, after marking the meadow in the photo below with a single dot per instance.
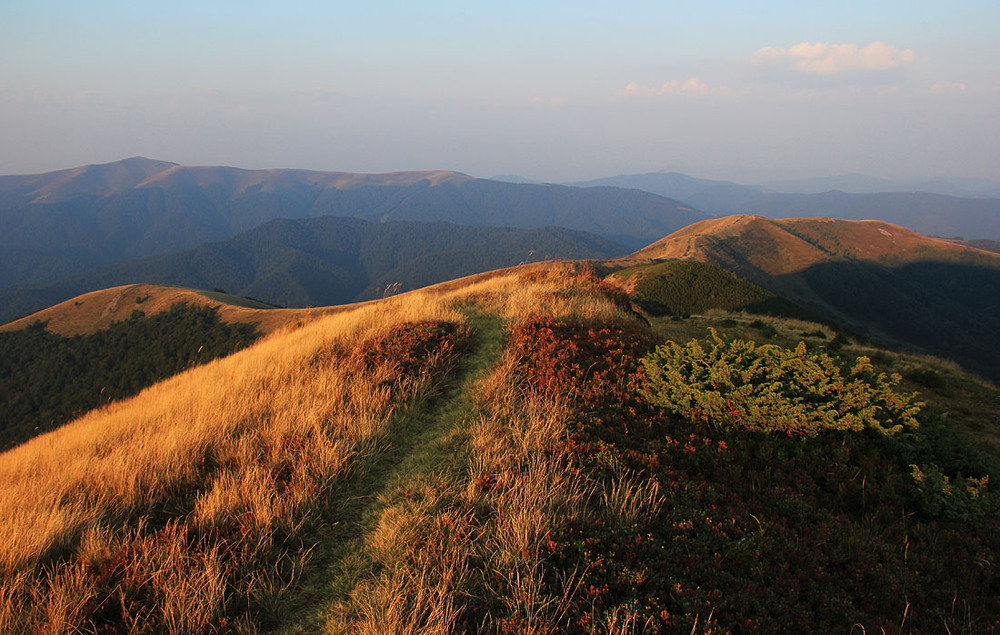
485 455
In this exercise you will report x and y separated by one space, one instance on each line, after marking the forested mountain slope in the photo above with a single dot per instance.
326 261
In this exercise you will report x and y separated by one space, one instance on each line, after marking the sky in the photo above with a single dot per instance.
556 91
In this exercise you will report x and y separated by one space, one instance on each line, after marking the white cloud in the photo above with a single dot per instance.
948 87
690 86
824 58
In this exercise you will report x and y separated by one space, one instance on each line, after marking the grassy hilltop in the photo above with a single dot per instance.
518 451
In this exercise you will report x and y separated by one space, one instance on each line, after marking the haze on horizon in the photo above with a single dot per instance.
556 91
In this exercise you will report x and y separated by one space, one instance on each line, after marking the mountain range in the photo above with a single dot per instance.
704 432
62 223
927 213
325 261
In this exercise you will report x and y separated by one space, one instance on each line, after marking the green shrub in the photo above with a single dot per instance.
947 498
766 328
769 388
838 343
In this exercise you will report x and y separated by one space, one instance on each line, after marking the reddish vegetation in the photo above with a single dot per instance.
757 532
414 348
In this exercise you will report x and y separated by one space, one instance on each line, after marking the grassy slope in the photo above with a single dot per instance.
231 455
381 471
48 379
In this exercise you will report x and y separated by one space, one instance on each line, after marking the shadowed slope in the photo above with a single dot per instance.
878 278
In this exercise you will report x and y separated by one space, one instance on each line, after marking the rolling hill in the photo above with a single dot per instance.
507 453
63 223
326 261
96 310
110 344
878 278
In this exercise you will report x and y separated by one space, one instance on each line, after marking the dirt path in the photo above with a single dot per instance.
428 438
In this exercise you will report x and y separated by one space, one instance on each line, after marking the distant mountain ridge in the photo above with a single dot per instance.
62 223
863 184
924 212
671 185
138 172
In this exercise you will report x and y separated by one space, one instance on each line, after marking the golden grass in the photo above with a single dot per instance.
186 491
437 546
251 439
468 551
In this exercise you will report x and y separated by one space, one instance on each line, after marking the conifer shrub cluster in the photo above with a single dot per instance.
769 388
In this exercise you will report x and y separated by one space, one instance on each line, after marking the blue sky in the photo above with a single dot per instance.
551 90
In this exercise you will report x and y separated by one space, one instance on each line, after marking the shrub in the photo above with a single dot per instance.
838 343
773 389
766 328
959 499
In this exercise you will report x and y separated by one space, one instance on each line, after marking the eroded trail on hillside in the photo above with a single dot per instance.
429 441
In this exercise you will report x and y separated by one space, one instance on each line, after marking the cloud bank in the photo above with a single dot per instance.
824 58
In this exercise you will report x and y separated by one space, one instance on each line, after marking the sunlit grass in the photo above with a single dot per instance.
161 510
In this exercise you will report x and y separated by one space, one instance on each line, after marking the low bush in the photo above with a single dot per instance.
768 388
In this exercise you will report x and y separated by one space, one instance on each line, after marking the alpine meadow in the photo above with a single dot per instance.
513 452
